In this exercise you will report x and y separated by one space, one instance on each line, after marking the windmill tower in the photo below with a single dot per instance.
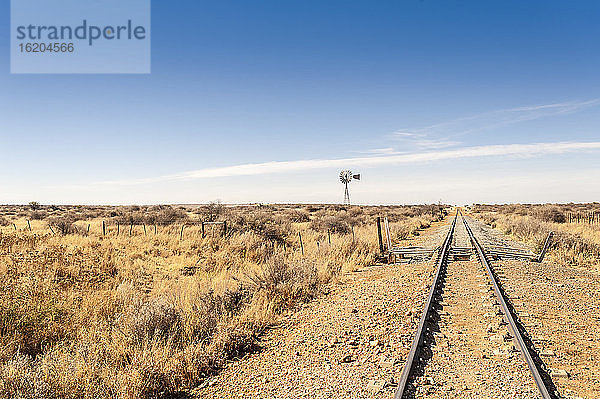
346 177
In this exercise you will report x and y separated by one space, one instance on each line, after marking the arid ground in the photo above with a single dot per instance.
281 301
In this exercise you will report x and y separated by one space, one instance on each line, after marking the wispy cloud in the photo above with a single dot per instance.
445 133
380 151
519 150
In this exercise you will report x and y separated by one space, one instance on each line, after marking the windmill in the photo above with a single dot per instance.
346 177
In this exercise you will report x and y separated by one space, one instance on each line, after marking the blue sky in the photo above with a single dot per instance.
266 101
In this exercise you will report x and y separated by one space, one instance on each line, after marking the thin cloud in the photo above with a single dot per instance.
424 143
444 131
272 167
380 151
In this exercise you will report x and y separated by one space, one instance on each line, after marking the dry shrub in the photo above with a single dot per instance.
297 216
31 318
212 211
37 215
550 214
64 224
4 221
266 225
286 281
170 215
340 223
403 231
132 217
158 319
161 215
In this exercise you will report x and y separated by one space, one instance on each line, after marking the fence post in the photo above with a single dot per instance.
387 233
546 246
144 228
203 233
181 233
301 244
51 229
352 228
225 228
329 235
130 228
88 229
155 229
379 234
29 225
15 226
103 228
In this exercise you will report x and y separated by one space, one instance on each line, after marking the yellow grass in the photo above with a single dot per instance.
152 315
575 244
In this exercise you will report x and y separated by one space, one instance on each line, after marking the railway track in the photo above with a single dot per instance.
524 376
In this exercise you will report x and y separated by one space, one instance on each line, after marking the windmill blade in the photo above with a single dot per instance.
345 176
356 177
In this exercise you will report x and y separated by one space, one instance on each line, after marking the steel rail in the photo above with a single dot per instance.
419 338
508 316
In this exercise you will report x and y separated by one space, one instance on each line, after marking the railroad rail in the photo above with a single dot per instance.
417 345
515 331
414 358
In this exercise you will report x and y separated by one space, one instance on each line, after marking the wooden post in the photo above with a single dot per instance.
155 229
224 228
144 228
329 235
546 246
130 228
15 226
181 233
318 246
29 225
352 228
118 228
387 233
379 234
51 229
88 229
203 232
103 228
301 244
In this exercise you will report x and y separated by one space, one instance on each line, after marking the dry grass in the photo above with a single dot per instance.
573 244
150 314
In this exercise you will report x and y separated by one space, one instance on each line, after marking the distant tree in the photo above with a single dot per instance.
34 205
551 214
213 210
